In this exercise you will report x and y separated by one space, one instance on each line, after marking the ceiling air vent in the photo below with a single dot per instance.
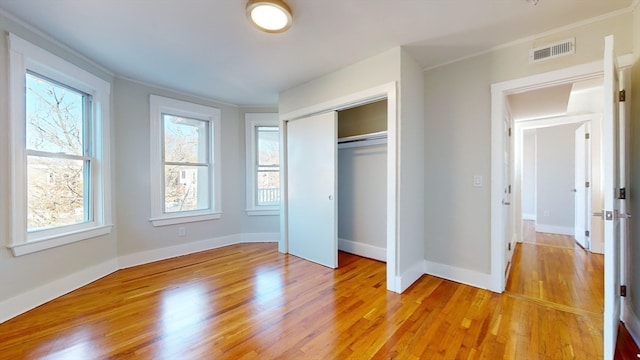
561 48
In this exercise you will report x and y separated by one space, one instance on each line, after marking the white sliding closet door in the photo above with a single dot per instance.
311 184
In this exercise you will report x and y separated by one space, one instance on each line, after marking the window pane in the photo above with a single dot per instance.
54 117
55 189
268 145
186 188
185 140
268 188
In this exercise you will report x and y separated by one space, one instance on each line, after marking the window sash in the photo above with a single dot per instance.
260 199
208 195
86 159
94 152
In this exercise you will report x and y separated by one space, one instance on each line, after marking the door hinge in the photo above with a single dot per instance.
509 246
586 233
623 290
622 194
587 136
509 189
587 184
509 131
622 95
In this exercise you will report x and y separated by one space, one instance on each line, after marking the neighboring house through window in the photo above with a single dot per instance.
60 150
263 163
185 161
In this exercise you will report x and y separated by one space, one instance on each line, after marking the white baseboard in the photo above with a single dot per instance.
362 249
457 274
409 276
33 298
528 216
24 302
259 237
631 321
145 257
554 229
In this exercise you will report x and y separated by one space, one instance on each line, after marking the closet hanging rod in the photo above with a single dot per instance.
363 137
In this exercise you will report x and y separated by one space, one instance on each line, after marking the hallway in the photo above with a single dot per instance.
552 270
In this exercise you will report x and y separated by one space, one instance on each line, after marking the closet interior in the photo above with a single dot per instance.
362 180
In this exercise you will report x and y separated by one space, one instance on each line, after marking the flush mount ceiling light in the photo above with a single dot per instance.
272 16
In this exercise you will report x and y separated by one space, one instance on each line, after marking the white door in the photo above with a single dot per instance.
579 186
506 198
311 188
611 203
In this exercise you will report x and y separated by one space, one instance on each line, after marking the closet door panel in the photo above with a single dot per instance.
312 184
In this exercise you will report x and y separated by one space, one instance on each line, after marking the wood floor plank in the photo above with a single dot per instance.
250 302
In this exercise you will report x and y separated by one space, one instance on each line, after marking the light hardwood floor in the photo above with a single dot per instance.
250 302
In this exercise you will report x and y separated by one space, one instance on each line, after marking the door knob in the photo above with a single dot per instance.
330 197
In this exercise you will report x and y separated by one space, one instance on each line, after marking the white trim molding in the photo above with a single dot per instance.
251 122
362 249
555 229
25 57
160 106
390 92
458 274
24 302
409 276
33 298
631 320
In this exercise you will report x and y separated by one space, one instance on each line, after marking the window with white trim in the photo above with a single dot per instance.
263 163
185 161
59 117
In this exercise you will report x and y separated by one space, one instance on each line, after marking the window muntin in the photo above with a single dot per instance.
185 165
263 163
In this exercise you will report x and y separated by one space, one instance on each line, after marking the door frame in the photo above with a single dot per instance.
499 91
386 91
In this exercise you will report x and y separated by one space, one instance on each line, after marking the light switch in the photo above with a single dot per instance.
477 180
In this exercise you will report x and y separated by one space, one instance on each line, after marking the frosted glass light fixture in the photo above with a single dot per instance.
272 16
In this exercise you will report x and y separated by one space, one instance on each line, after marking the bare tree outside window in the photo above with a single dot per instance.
58 159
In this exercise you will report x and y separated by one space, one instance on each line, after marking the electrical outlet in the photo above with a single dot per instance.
477 181
182 231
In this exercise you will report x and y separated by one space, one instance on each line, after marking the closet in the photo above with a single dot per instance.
362 180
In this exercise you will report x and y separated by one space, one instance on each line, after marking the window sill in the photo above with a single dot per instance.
181 219
263 212
59 240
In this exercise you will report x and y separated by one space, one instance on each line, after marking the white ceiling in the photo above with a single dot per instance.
208 48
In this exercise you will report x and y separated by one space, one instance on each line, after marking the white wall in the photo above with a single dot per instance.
632 302
555 173
31 279
138 240
529 175
394 65
458 137
362 199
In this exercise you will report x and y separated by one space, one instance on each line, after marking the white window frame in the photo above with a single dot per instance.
252 121
159 105
25 56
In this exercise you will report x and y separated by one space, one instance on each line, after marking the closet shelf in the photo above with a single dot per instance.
379 137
